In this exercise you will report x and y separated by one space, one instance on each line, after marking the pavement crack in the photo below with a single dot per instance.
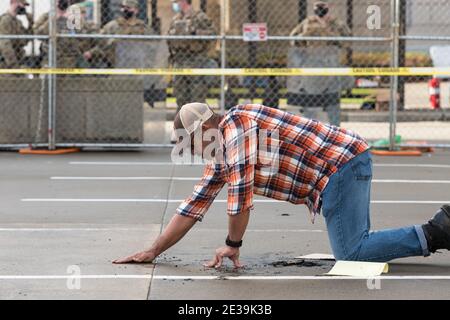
169 190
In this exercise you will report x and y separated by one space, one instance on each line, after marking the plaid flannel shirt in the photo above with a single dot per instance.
294 164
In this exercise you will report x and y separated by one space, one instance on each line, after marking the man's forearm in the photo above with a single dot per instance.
237 225
174 232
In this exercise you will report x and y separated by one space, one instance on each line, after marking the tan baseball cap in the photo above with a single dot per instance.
193 116
24 2
130 3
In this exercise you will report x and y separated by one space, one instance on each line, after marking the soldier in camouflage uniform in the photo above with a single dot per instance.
12 51
189 53
315 94
69 51
87 27
128 24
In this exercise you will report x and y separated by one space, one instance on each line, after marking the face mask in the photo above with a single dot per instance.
321 11
21 10
63 5
127 14
176 7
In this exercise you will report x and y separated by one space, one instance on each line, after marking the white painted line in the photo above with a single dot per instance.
267 230
216 201
68 229
198 179
412 165
236 278
413 181
102 200
144 229
129 200
128 178
280 278
408 202
131 163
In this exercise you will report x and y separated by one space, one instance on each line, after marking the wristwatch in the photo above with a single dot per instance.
233 244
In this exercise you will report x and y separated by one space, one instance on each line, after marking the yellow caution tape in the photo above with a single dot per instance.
241 72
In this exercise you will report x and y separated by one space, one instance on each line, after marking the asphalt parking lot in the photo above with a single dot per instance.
71 215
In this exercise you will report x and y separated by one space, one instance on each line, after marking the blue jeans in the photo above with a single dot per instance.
346 208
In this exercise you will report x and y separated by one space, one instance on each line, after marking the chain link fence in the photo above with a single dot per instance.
99 98
424 42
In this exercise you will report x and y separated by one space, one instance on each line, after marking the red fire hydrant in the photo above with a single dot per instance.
434 86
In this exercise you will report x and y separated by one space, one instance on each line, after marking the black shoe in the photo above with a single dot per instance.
437 230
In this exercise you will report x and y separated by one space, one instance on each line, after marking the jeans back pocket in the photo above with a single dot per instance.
362 167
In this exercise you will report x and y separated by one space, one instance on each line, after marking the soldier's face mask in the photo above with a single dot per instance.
127 13
21 10
176 7
321 11
63 5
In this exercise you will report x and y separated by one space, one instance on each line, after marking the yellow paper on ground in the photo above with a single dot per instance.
358 269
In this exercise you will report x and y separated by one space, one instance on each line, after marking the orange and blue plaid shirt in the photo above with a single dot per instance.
296 170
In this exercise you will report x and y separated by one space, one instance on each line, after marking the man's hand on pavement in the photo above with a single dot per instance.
225 252
141 257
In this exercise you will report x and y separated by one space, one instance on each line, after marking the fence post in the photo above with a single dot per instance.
393 106
52 77
350 24
252 7
223 54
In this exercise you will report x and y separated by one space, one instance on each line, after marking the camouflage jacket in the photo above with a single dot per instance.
104 50
12 51
314 26
68 51
194 23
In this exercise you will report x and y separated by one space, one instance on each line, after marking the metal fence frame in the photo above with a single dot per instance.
394 41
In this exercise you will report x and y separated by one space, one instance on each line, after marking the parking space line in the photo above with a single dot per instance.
69 229
216 201
415 165
145 229
265 278
401 181
408 202
131 163
203 278
127 178
412 181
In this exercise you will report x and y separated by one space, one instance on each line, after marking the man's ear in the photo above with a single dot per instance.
213 122
208 124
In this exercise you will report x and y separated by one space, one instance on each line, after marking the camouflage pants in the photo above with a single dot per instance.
323 107
331 114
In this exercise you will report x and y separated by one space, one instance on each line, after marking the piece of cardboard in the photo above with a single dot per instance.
358 269
317 256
